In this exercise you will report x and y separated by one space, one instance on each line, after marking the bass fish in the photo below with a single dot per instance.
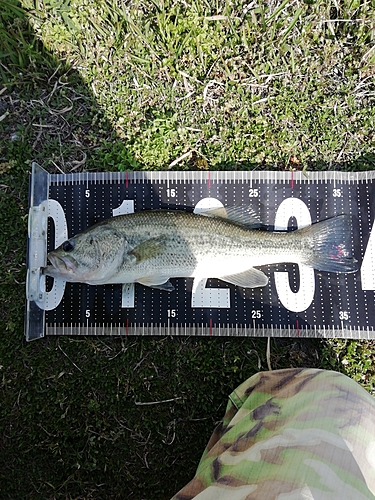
150 247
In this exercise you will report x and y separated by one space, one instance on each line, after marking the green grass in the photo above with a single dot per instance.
138 85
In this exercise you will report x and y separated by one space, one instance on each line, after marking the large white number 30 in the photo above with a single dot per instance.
301 300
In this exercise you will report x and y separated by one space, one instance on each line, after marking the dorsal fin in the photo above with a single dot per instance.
241 214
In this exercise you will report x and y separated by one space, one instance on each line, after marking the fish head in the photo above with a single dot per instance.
89 257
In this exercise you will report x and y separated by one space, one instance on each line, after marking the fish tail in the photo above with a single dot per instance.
329 242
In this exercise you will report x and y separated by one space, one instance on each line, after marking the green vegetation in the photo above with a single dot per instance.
140 85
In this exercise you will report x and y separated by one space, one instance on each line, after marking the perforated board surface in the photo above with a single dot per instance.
298 301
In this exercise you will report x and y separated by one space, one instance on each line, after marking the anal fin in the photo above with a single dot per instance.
252 278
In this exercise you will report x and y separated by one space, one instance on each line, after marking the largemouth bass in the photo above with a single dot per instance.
150 247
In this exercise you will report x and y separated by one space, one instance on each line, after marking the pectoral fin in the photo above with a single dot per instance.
252 278
158 282
149 249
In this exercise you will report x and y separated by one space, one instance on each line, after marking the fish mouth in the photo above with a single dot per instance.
63 265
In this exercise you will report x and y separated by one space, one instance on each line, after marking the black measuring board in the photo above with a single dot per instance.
298 301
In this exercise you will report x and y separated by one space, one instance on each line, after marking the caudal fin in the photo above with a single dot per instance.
329 245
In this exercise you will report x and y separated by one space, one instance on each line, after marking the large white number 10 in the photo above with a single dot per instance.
127 299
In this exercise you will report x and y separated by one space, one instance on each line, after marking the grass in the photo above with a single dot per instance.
141 85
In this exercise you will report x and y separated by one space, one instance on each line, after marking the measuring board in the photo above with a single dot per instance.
297 302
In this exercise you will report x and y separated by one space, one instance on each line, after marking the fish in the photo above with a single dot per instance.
152 246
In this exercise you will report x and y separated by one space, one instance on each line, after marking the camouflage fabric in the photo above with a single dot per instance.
290 435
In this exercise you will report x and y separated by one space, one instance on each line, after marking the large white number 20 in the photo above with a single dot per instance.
214 298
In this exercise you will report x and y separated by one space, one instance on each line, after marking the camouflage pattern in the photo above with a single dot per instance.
292 434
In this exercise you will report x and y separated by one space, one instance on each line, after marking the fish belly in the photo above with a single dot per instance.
219 267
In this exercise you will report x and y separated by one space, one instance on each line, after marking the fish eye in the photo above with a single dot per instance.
68 246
